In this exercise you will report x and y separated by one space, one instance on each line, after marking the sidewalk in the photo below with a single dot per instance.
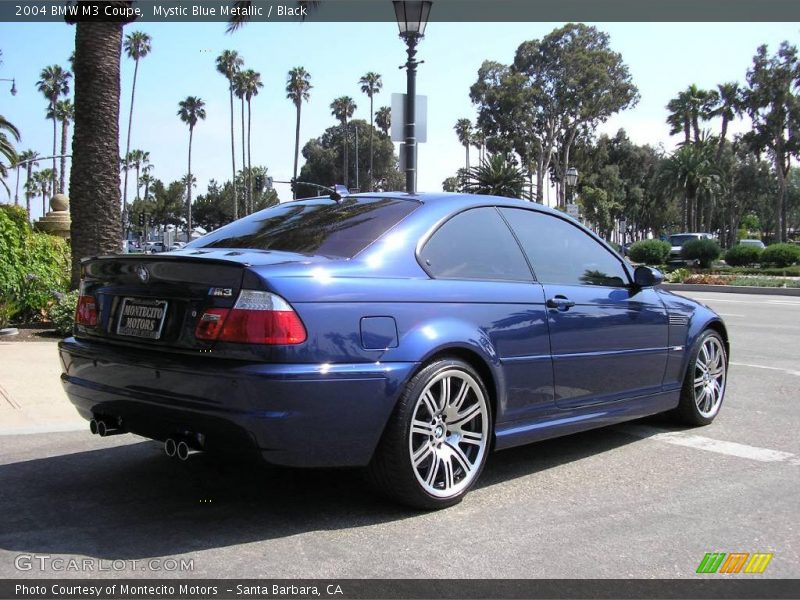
31 397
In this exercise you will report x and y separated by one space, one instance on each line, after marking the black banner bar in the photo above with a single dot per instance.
714 587
363 11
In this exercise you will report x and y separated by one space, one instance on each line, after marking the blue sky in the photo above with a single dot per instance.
663 59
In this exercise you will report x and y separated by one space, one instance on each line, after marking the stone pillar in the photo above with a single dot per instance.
57 221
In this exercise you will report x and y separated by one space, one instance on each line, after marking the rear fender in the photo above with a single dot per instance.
451 336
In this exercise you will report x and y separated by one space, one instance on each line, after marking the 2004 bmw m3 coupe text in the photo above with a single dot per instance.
408 334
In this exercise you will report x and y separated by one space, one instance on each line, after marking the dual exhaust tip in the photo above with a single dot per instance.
174 448
105 427
178 449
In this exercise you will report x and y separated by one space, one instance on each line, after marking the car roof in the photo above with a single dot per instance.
452 200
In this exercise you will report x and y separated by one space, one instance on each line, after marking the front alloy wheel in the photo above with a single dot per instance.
436 443
704 384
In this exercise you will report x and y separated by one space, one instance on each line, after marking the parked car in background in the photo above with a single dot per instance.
154 247
754 243
409 334
677 241
177 246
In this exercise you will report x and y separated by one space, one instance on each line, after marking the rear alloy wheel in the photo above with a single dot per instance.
704 385
436 443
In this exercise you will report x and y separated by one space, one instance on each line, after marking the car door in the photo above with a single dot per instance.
608 339
481 277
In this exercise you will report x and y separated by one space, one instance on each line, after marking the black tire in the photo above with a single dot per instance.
689 411
392 470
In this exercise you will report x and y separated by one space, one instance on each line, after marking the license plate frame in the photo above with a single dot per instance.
124 321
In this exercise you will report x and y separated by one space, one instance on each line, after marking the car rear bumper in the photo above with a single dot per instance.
305 415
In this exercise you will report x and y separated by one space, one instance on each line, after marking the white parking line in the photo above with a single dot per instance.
700 442
788 371
754 302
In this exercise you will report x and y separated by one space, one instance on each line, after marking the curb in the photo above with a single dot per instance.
731 289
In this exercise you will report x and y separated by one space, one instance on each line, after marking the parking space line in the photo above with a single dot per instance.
787 371
700 442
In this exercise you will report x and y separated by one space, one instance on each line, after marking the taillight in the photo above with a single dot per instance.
256 318
86 313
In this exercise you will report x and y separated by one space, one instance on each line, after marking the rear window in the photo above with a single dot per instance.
321 227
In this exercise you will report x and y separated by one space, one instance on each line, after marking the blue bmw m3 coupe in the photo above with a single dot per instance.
410 334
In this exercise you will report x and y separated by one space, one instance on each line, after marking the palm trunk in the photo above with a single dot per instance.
249 158
244 166
466 146
138 175
345 154
296 147
371 129
128 140
28 191
233 160
189 191
94 177
55 136
64 132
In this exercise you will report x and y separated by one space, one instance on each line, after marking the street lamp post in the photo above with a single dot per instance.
13 86
572 181
412 17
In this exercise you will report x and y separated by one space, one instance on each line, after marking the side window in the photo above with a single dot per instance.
475 244
562 253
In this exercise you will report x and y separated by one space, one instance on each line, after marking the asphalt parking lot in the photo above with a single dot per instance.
641 500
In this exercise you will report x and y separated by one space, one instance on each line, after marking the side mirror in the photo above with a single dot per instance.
647 277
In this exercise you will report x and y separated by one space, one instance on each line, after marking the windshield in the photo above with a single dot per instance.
321 226
680 240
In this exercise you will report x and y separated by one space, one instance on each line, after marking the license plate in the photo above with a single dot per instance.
140 317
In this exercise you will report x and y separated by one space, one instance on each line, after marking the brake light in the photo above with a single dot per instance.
86 313
256 318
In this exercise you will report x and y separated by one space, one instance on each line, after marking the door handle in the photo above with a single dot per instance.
560 302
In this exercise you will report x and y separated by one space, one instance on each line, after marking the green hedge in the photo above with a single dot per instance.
781 255
62 313
34 267
705 251
740 256
649 252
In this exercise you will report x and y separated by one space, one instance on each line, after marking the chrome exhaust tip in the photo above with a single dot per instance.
93 426
183 450
170 447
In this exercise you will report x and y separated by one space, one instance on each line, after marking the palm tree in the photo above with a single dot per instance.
95 179
53 83
496 177
137 46
680 117
371 84
191 110
7 149
463 128
479 141
730 106
252 85
383 119
64 113
691 171
298 88
228 64
146 180
137 160
46 186
29 158
342 109
238 90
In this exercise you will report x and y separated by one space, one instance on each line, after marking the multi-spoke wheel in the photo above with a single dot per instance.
704 385
436 443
